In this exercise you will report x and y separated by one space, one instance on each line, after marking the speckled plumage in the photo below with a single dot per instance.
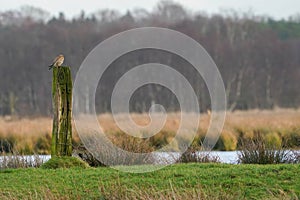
58 61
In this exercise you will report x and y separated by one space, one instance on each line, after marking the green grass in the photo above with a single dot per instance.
64 162
181 181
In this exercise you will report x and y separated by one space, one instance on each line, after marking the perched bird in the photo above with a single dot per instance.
58 61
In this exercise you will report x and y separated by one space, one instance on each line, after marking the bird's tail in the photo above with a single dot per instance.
50 67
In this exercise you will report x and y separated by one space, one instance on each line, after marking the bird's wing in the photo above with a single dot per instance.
55 59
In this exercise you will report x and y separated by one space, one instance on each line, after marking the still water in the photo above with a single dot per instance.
229 157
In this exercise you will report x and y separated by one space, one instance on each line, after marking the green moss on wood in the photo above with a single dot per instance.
62 112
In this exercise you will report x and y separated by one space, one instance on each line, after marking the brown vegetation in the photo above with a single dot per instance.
281 127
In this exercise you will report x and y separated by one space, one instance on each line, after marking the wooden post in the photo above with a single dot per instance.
62 110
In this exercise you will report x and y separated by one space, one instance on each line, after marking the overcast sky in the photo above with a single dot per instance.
275 8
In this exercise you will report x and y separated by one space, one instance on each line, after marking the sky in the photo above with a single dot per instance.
277 9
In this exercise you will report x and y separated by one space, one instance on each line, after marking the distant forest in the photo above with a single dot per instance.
258 57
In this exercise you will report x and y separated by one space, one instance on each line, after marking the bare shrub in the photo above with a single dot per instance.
127 143
14 159
194 154
260 151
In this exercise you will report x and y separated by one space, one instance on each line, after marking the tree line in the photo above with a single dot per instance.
258 57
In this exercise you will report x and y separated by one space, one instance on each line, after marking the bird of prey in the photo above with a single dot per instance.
58 61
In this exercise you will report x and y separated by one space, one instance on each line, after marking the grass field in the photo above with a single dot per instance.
181 181
279 126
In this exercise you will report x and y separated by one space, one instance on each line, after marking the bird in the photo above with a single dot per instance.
58 61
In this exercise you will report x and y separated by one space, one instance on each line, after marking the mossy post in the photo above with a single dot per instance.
62 110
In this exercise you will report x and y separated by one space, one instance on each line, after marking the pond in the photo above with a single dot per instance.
229 157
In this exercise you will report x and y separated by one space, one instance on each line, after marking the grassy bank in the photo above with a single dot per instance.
181 181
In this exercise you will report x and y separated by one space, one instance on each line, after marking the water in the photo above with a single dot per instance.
229 157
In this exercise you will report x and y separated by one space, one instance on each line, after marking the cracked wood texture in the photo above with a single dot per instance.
62 112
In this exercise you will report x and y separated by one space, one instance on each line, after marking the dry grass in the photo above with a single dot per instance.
281 124
25 126
264 119
279 119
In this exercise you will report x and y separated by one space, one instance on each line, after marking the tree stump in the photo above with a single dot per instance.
62 112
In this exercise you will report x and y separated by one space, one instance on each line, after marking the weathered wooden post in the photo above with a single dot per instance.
62 109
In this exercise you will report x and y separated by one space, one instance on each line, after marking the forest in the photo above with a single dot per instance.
258 57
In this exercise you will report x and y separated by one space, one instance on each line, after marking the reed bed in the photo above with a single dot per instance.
279 126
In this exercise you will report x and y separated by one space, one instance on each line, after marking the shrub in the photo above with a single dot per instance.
297 156
14 160
43 144
273 140
162 139
195 155
11 158
259 151
292 139
26 149
229 141
114 157
7 144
